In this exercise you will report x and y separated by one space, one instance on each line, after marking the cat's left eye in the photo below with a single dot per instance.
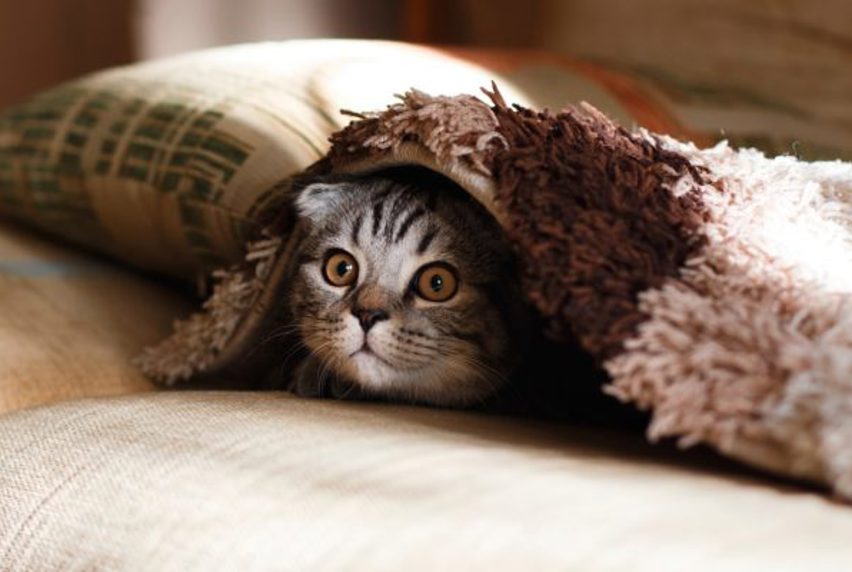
436 282
340 268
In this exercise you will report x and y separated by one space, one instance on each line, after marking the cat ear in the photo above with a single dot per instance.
317 200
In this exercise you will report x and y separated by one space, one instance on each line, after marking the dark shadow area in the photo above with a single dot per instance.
558 381
583 425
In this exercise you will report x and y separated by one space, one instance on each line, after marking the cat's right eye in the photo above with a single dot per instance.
340 268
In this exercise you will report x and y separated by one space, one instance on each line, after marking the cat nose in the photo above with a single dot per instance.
369 317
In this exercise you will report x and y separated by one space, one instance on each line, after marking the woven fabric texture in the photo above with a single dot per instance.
198 481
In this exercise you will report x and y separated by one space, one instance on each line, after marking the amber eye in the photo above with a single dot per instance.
436 282
340 268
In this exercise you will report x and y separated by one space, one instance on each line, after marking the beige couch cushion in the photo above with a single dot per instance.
243 481
69 323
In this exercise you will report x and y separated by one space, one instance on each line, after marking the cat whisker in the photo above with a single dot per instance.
407 350
326 320
404 363
324 366
416 334
351 386
493 378
289 327
349 390
484 367
321 326
481 368
290 355
275 334
326 370
410 341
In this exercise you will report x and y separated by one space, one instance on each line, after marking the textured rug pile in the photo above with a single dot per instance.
714 286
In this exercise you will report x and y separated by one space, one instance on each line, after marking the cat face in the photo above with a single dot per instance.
405 293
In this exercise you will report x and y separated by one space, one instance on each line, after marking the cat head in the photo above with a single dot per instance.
406 291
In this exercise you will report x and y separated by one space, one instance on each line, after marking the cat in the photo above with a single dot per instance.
405 289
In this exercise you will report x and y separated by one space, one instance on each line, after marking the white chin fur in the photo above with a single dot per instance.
375 372
429 384
371 372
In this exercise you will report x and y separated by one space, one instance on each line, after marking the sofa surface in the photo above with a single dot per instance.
70 322
265 481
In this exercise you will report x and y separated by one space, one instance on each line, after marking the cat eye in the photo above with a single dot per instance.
340 268
436 282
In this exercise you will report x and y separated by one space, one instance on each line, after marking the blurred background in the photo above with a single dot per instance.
715 62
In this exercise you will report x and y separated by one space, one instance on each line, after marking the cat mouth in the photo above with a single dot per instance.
368 351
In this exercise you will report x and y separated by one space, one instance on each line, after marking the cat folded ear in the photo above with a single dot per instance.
318 199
